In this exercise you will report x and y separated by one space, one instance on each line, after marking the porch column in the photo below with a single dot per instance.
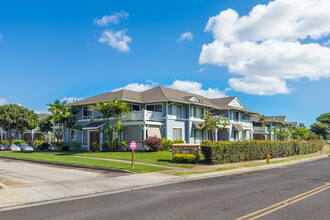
216 134
144 132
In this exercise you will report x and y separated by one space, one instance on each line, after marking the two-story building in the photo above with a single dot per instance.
162 112
266 131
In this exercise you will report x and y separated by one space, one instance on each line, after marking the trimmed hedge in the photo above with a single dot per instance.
185 158
221 152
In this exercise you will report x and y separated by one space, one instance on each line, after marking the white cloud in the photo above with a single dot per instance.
196 88
186 36
116 39
187 86
136 87
114 18
202 69
264 47
3 101
70 99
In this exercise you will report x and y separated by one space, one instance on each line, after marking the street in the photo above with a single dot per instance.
294 192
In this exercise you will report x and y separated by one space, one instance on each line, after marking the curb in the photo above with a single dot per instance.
71 165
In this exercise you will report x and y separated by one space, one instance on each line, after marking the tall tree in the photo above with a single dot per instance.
212 123
45 127
15 119
63 116
324 118
320 129
111 109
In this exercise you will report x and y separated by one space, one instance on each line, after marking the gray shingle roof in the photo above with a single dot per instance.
159 93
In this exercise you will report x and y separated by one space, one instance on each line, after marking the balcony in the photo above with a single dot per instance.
258 129
144 116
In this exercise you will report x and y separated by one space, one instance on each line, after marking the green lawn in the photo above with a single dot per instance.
161 157
82 161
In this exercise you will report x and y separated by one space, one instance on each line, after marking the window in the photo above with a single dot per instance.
87 113
246 117
73 134
177 110
236 116
198 112
177 133
134 107
198 136
155 108
85 137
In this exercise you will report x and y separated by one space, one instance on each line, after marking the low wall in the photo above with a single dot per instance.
185 149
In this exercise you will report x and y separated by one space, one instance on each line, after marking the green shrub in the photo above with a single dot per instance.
37 143
186 158
76 145
179 141
17 142
221 152
167 144
3 142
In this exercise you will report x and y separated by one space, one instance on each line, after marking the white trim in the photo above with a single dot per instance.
193 99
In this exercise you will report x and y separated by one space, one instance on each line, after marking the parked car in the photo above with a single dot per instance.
44 146
25 147
2 147
14 147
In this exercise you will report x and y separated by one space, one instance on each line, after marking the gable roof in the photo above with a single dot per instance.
161 93
277 118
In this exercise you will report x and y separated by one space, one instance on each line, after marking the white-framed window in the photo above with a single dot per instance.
155 108
177 134
177 110
236 116
85 133
197 112
198 134
87 113
72 134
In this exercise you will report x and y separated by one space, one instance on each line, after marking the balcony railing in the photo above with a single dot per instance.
257 129
144 116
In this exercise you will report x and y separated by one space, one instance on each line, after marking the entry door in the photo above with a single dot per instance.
94 136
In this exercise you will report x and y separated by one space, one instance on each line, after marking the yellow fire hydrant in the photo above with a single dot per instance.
268 158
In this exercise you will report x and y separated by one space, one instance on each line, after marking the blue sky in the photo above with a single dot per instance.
52 49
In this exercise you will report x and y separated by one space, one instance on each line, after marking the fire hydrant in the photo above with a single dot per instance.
268 158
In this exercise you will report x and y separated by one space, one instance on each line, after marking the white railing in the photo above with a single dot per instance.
260 129
144 116
246 124
153 116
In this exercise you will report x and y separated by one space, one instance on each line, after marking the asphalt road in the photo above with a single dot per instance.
227 197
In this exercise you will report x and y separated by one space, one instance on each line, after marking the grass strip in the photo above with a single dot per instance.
138 168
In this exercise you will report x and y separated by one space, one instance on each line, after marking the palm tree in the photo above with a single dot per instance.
60 114
263 121
112 108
